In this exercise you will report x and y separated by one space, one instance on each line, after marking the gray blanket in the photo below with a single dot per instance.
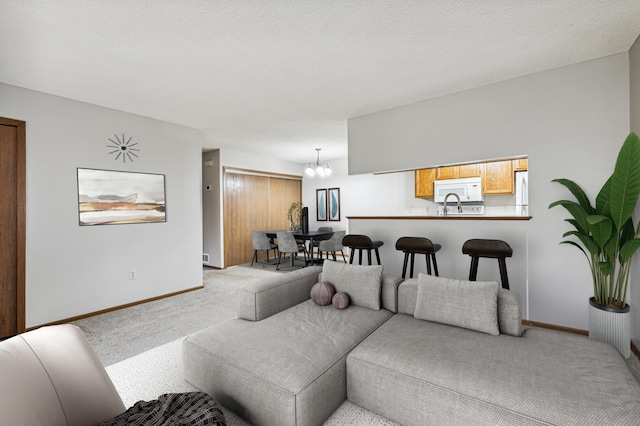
177 409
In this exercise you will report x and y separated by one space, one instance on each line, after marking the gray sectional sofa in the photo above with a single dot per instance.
419 352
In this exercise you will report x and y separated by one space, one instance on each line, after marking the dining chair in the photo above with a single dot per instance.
287 244
332 245
261 243
321 229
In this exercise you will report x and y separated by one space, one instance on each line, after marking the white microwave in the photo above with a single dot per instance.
468 189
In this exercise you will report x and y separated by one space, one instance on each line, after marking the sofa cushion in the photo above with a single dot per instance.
362 283
509 312
467 304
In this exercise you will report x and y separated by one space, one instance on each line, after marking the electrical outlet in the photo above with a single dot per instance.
132 274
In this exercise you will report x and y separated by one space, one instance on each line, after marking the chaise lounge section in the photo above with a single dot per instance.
283 360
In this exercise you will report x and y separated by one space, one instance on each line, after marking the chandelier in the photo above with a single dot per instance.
317 168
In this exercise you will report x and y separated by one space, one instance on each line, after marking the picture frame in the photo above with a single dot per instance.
321 205
333 200
110 197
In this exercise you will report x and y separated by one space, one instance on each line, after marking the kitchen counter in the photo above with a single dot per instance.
451 217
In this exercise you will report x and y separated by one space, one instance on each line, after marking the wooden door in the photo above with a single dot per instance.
12 227
246 209
282 193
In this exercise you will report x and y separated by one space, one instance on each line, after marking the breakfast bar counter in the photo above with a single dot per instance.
450 217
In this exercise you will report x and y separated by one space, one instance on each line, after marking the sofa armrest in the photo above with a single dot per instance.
389 292
51 376
262 299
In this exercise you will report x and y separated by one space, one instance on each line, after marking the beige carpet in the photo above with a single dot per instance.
121 334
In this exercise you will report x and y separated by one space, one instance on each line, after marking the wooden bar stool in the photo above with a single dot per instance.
361 242
413 245
495 249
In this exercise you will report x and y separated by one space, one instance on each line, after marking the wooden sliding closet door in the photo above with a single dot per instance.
254 202
282 192
246 208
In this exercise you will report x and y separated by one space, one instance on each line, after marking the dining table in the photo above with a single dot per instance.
310 236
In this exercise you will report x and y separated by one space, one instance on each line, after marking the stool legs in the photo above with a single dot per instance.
503 273
473 272
404 266
502 264
435 265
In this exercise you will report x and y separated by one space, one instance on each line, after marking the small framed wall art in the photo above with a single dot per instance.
321 205
333 199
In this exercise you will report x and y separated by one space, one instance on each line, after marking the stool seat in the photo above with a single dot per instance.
412 245
494 249
361 242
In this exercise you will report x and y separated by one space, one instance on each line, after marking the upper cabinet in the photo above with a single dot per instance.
424 183
455 172
497 176
521 164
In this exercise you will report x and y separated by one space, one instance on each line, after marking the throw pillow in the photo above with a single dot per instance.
361 282
322 292
340 300
467 304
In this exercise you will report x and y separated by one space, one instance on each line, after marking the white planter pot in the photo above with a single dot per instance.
611 325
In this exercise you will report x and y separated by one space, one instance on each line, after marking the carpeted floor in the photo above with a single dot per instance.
155 323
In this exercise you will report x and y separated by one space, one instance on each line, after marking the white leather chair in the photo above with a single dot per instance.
52 377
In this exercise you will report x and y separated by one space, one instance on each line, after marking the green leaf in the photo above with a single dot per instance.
605 267
577 211
628 250
577 192
602 199
601 228
625 181
586 240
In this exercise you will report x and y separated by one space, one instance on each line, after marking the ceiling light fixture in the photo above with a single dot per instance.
317 168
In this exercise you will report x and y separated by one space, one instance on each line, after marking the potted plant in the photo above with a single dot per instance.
606 234
295 216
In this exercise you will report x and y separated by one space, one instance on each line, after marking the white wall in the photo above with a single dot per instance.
634 293
569 121
73 270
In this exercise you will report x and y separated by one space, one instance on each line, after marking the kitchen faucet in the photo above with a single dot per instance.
458 202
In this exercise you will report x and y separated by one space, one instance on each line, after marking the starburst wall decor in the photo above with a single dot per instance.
123 148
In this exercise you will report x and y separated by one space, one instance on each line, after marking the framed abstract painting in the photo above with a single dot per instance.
108 197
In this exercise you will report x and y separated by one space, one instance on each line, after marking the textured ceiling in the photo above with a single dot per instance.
281 77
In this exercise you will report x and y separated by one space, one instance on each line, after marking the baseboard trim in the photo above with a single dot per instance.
115 308
634 348
556 327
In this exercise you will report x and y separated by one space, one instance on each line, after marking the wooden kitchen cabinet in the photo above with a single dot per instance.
424 183
521 164
469 170
449 172
497 178
461 171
